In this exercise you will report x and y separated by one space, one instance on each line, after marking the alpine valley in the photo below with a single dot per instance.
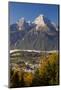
34 56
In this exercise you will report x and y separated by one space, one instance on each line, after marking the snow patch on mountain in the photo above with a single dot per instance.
39 21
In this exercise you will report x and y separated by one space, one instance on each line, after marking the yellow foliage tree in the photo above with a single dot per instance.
49 69
28 77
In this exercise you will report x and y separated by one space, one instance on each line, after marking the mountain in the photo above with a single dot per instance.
18 30
41 34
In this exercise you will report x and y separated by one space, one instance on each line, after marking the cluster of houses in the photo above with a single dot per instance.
27 66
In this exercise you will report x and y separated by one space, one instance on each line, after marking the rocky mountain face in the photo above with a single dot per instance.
41 34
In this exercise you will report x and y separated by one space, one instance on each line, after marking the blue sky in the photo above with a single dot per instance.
30 11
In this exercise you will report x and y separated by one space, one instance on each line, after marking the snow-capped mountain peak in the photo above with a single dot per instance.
39 21
22 24
29 22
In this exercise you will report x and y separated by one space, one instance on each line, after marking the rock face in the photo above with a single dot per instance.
41 34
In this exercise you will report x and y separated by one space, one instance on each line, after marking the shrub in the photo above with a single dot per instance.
28 77
16 77
49 69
